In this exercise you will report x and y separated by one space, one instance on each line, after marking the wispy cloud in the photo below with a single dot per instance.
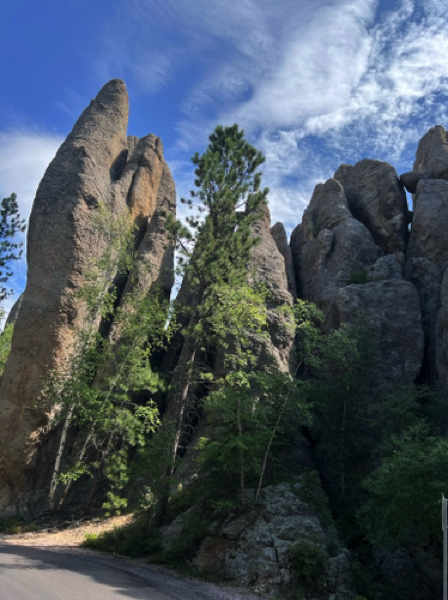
331 101
314 83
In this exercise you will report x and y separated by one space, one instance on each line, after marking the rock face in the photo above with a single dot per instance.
255 548
279 235
377 199
431 161
392 309
349 258
270 267
329 247
432 154
427 255
96 164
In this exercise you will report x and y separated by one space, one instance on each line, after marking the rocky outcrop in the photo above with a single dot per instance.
427 255
269 266
96 164
329 247
278 233
254 548
349 258
391 308
432 153
431 161
377 199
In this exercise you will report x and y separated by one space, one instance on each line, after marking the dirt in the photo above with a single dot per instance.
70 534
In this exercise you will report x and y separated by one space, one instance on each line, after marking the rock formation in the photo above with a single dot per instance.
329 247
431 161
349 258
96 164
270 266
352 254
377 199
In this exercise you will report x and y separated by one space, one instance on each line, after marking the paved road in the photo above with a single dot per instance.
28 573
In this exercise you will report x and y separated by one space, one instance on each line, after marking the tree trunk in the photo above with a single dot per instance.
178 401
57 464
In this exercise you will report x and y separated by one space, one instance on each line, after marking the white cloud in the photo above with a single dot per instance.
24 156
314 83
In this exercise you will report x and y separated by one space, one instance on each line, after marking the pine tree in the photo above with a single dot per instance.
10 224
215 247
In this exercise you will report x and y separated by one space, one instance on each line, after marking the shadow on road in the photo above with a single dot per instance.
98 576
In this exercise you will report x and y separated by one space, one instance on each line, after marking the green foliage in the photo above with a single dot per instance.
133 540
312 493
5 345
216 245
316 226
357 278
15 524
309 568
247 411
97 386
148 472
10 224
188 542
243 415
214 250
339 368
405 490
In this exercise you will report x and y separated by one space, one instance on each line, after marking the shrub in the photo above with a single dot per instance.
133 540
309 568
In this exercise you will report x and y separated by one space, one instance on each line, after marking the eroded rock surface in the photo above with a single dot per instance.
269 267
391 308
329 247
255 548
279 234
377 199
96 164
432 154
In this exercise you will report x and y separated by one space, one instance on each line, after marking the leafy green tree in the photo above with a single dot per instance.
10 224
338 368
95 389
248 411
405 490
215 246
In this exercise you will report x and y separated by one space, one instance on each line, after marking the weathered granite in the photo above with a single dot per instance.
254 548
429 235
96 164
279 234
377 199
392 309
432 154
328 247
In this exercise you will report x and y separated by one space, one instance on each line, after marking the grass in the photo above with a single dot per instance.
15 525
134 540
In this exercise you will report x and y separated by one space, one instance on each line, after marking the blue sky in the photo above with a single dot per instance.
313 82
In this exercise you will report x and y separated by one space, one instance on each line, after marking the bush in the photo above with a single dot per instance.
15 525
133 540
188 541
309 568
